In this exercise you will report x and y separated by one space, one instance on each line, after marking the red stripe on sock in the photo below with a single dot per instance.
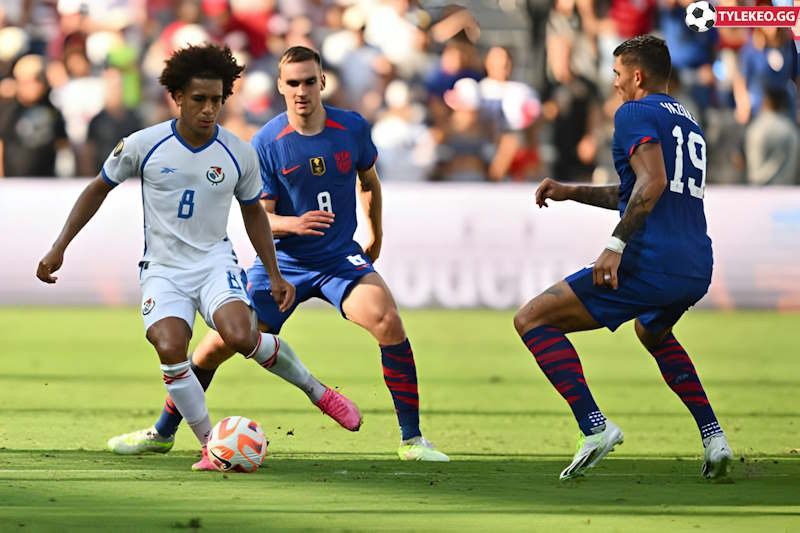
400 358
409 401
575 367
545 344
695 399
546 359
572 399
169 379
394 374
403 387
688 386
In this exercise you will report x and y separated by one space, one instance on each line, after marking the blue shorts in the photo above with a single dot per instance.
658 300
331 282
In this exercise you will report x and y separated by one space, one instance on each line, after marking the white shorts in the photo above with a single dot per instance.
170 291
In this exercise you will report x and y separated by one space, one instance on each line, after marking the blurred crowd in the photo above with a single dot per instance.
445 104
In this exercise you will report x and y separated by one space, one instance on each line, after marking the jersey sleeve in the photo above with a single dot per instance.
368 153
124 161
269 179
634 125
248 188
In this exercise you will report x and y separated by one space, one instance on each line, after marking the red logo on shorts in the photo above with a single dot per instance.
343 162
148 306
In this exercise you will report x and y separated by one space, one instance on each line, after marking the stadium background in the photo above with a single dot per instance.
526 96
77 369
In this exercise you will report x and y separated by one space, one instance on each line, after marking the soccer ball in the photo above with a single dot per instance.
237 444
700 16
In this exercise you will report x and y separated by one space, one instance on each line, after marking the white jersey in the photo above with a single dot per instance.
186 191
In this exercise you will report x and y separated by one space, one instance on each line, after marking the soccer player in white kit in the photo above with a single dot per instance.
190 169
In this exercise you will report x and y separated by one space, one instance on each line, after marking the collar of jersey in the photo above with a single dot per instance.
189 146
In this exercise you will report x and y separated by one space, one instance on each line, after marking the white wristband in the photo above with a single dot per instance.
615 244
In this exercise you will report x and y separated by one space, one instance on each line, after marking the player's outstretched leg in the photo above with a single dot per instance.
679 373
370 305
159 438
275 355
559 361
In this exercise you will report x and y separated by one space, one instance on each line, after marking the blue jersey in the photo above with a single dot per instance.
673 238
315 172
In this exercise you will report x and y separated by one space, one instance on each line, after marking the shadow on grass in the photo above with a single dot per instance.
381 484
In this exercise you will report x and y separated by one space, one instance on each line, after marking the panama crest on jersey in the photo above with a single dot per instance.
215 175
148 306
343 162
317 165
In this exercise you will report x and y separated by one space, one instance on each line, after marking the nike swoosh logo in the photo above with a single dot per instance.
289 170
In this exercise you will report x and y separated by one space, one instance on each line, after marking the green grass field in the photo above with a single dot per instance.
71 378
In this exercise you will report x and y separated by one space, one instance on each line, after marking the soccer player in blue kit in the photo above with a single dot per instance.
656 264
310 157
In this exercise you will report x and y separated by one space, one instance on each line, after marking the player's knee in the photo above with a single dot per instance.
212 357
170 351
388 327
240 339
526 319
651 341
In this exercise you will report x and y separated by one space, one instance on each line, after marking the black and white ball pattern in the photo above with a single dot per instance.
700 16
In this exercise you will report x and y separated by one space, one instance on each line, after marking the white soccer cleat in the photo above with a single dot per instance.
717 457
420 449
592 449
144 440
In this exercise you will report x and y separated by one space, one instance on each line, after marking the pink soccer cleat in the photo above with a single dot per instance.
204 463
340 408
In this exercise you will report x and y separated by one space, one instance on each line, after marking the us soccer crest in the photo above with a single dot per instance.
148 306
317 165
215 175
343 162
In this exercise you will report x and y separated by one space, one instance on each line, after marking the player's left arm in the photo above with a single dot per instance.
369 192
260 234
647 163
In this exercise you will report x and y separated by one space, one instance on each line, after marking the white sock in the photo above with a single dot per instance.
275 354
189 398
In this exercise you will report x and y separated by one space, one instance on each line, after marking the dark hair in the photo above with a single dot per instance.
207 62
298 54
649 53
775 98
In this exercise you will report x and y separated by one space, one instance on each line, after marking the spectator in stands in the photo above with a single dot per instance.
405 144
106 128
772 143
767 61
32 130
512 107
464 141
573 109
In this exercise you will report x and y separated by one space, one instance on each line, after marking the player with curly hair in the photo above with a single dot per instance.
190 170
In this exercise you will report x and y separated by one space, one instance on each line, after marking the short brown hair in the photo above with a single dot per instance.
298 54
648 53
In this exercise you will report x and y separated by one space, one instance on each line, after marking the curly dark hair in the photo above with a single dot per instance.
648 53
207 62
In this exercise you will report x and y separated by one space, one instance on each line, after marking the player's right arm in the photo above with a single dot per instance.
309 223
605 196
84 209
